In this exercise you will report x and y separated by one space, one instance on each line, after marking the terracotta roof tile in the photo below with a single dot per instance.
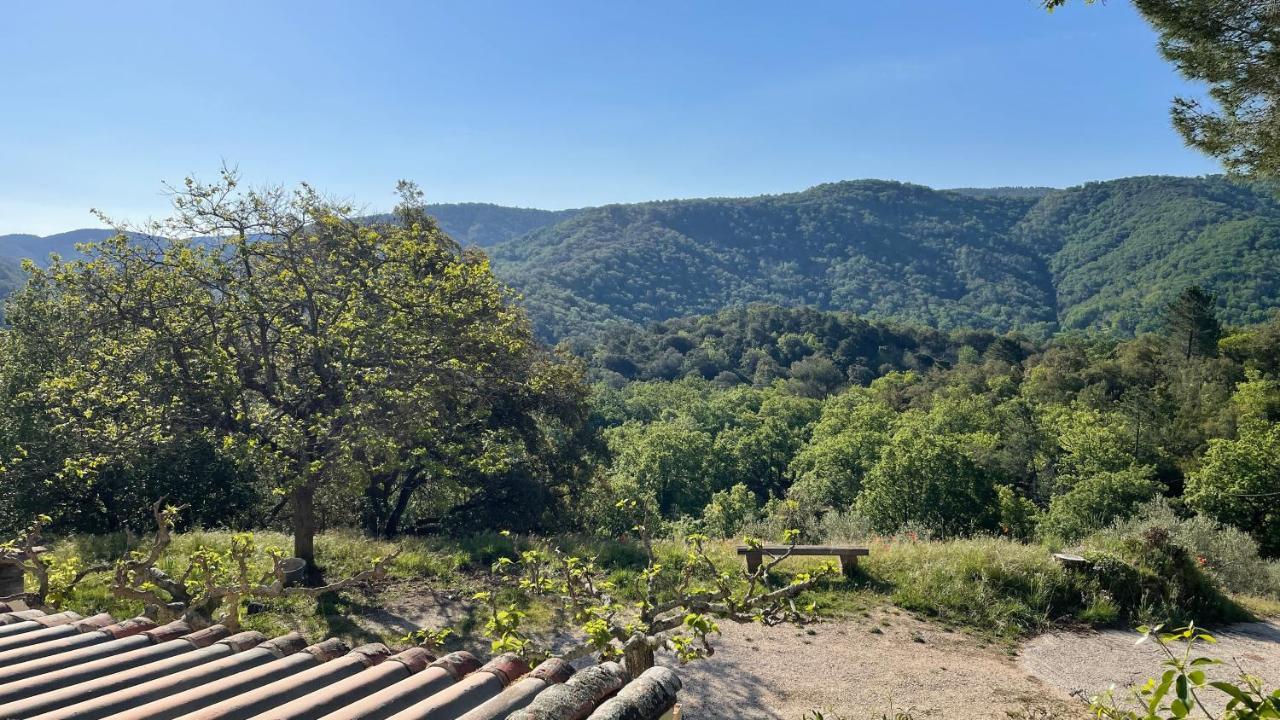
65 667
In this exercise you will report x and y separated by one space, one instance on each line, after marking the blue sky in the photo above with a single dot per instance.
565 104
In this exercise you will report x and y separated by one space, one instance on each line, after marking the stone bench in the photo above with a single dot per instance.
848 554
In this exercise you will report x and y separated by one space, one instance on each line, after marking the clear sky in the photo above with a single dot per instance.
564 104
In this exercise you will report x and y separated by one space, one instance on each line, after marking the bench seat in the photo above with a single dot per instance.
848 554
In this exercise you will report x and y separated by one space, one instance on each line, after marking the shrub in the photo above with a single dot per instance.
844 526
1226 553
1097 501
1018 515
729 511
1151 577
782 515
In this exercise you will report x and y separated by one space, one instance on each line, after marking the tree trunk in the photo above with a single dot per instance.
375 510
304 528
396 515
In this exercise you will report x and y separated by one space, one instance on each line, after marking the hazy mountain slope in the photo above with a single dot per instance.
479 224
14 248
1121 250
469 223
11 277
1033 192
878 248
38 248
485 225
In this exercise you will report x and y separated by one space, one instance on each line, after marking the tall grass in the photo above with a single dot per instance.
999 586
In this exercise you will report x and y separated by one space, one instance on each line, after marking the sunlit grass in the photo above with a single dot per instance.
994 587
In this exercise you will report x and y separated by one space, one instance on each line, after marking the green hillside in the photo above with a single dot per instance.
484 224
881 249
1107 255
1121 250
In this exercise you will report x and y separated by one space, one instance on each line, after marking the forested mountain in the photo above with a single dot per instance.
1034 192
877 248
486 225
1107 255
1120 251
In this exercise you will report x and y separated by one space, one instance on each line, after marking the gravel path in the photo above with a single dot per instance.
1085 663
861 669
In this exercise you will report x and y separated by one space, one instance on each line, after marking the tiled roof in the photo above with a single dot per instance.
66 667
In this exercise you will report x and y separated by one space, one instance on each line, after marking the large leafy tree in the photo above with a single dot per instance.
845 445
319 349
1238 481
1234 47
926 479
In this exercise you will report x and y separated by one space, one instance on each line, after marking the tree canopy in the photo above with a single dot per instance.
332 356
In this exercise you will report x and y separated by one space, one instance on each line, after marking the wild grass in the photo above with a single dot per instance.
996 587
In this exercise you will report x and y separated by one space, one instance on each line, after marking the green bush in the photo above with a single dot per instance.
1018 515
1227 554
1097 501
730 510
1152 578
844 526
782 515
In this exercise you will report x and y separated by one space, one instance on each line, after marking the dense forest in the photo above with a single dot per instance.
815 351
1105 256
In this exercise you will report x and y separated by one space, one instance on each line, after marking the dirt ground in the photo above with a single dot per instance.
888 662
864 669
1085 663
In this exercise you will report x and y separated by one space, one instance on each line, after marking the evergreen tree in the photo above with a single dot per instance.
1234 47
1193 323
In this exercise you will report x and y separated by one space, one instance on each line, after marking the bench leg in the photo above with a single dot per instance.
753 562
849 566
